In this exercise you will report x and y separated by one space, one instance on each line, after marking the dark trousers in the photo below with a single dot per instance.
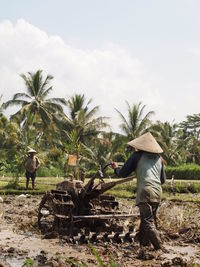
31 175
147 232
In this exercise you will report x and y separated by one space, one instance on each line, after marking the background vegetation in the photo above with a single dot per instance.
57 127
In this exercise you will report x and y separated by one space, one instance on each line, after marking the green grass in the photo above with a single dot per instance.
186 190
185 197
43 184
182 190
185 171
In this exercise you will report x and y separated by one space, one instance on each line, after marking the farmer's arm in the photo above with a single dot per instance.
37 163
25 162
129 166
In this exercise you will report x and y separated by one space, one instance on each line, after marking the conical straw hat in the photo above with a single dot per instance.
146 142
31 150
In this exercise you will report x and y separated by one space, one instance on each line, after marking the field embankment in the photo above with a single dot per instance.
186 190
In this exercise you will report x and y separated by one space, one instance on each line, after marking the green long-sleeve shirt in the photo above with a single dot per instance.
149 172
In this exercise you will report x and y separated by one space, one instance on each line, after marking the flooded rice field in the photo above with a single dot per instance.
21 243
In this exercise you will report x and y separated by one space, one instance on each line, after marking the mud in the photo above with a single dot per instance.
21 242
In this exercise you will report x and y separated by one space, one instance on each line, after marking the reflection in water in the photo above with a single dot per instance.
12 261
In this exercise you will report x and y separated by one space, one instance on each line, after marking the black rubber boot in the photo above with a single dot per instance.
154 239
142 238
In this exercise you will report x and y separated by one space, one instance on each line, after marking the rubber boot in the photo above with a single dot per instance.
142 238
154 239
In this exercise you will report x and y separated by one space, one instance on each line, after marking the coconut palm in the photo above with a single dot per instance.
77 103
170 138
81 128
114 146
34 103
191 126
83 120
137 121
191 132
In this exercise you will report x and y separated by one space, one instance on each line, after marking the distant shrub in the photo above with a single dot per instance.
109 173
49 172
184 172
182 187
54 154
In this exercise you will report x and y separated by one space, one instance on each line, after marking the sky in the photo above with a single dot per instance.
112 51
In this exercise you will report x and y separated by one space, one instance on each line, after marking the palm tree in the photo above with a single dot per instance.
34 103
77 103
191 132
83 120
170 138
114 146
137 122
81 128
191 126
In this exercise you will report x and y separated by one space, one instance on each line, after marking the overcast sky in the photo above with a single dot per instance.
110 50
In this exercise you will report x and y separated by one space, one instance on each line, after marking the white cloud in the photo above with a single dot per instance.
195 51
109 74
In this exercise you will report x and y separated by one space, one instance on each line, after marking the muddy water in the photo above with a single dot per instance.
17 247
14 262
187 252
179 225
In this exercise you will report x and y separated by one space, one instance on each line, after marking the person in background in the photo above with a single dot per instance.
149 168
31 164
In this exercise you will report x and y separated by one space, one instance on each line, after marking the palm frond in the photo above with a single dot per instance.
44 85
91 113
28 82
21 95
44 93
59 100
15 102
125 125
45 115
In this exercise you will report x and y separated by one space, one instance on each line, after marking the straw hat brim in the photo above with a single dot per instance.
146 142
31 151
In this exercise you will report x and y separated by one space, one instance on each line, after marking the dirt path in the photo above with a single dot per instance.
179 224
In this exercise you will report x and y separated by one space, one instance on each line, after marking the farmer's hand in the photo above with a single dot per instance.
114 165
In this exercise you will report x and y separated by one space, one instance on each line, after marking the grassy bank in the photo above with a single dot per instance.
181 189
43 184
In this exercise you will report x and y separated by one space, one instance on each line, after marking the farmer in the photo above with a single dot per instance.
32 164
148 166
